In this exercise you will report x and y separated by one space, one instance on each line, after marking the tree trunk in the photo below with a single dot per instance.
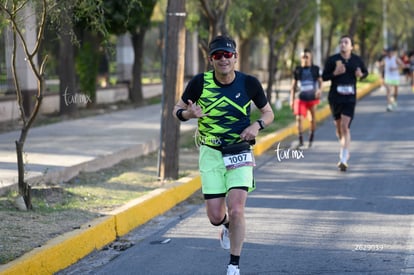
358 10
24 188
329 39
67 72
244 50
216 16
135 91
94 41
272 67
173 86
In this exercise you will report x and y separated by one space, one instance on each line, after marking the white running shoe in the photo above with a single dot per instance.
224 238
233 270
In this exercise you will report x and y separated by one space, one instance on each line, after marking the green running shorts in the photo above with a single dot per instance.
216 179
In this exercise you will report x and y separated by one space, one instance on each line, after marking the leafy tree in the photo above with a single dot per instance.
95 21
66 64
280 26
64 17
215 12
123 16
90 33
335 14
12 14
364 22
210 22
400 23
87 67
240 25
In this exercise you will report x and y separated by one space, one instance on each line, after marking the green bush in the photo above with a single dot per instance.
87 69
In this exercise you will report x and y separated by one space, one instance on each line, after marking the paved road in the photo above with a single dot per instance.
305 217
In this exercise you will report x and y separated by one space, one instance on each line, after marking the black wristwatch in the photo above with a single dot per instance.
261 124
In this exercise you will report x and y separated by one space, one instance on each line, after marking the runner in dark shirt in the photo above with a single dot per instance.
229 113
305 92
343 70
220 101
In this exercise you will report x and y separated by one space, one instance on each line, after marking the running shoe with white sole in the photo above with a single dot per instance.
224 238
233 270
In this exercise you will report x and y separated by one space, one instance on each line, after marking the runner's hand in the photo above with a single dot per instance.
251 132
318 94
339 69
358 72
194 111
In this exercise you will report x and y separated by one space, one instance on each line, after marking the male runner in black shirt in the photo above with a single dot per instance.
343 69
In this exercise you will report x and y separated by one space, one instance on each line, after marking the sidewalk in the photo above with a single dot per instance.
58 152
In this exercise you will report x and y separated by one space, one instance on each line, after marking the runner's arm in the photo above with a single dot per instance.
251 132
292 92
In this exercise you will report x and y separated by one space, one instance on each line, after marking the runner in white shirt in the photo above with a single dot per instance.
392 66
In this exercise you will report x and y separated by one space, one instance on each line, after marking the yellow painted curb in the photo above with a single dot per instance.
368 88
67 249
266 142
158 202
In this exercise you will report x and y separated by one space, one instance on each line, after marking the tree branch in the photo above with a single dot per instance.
42 27
16 78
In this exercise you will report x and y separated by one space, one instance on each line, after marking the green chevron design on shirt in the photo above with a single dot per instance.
226 117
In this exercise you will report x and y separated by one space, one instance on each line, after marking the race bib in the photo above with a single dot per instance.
307 88
345 89
244 158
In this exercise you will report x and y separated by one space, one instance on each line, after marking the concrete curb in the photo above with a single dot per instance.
67 249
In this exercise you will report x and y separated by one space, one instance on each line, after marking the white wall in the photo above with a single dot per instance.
9 109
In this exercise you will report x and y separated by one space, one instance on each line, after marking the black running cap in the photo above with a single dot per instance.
222 43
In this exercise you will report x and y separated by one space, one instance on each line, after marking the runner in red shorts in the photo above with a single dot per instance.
305 93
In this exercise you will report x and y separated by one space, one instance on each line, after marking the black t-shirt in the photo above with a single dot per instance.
307 78
252 85
343 86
